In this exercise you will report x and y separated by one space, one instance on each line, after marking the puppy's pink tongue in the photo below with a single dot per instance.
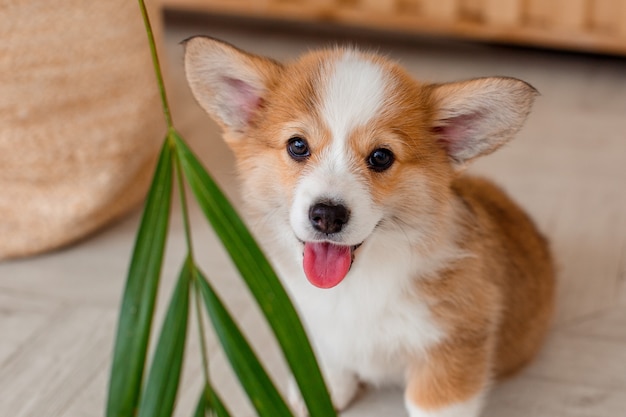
326 264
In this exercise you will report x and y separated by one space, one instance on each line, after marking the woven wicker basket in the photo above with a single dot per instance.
80 121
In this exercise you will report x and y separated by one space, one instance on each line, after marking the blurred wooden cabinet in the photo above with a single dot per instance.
586 25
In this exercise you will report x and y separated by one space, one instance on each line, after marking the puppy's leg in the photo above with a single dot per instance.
342 385
451 382
469 408
295 400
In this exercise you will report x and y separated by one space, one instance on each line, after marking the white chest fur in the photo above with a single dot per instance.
373 322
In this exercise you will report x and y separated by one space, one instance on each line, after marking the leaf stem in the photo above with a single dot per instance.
183 202
192 264
202 336
156 65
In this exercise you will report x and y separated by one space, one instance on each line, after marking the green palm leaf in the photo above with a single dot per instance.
134 323
262 393
162 383
215 407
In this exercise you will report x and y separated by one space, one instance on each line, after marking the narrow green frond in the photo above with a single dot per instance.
213 408
162 384
202 406
254 379
135 320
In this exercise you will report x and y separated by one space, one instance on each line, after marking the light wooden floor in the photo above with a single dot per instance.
568 167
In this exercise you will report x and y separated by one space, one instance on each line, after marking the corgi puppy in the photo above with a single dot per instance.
404 270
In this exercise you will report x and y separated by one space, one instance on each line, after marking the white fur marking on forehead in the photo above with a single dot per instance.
354 94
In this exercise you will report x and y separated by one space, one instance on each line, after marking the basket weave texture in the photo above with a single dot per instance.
80 125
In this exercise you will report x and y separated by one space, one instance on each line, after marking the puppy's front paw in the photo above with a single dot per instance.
295 400
469 408
342 386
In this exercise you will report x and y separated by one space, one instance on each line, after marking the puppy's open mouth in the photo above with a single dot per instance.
326 264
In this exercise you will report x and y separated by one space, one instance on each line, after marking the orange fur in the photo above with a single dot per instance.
497 303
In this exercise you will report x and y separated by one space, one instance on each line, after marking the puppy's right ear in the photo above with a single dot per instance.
229 84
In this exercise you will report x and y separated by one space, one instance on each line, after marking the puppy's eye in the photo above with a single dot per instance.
298 149
380 160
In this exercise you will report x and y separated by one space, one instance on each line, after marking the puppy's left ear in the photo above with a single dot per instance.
476 117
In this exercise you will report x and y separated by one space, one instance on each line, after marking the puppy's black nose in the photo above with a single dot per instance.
328 218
